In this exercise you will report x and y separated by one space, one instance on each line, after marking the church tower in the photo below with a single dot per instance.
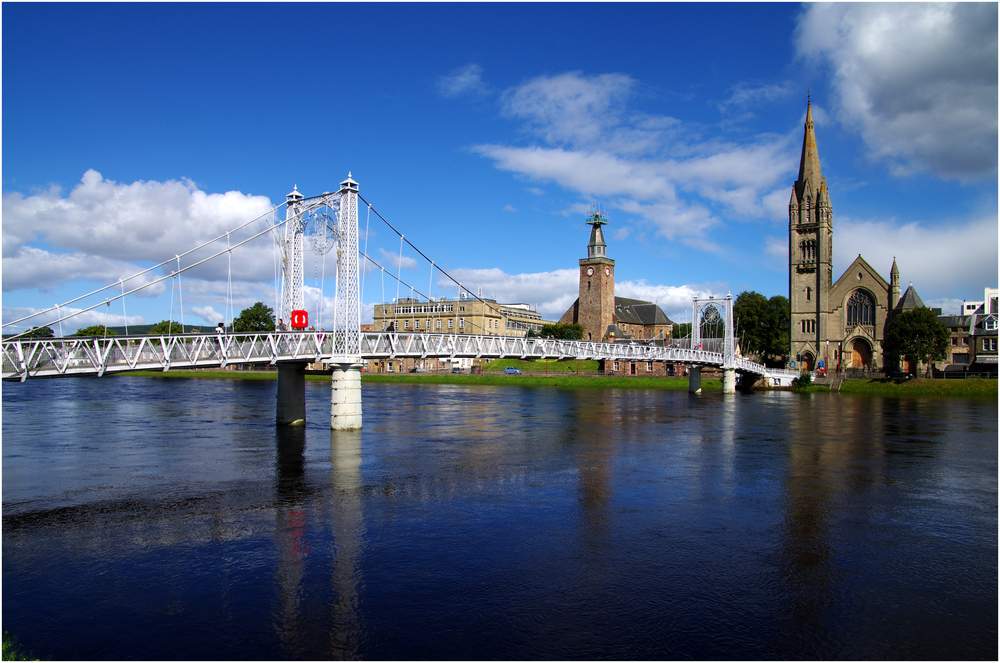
597 283
810 255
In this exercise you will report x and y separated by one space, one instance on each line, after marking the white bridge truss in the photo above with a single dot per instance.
63 357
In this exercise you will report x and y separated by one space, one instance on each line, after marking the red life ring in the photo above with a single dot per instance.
300 319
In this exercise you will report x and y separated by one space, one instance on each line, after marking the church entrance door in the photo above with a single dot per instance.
861 354
808 362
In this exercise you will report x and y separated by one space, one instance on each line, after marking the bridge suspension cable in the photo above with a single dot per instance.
461 287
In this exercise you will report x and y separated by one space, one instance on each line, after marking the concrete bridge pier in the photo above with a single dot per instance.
291 407
729 380
694 379
345 396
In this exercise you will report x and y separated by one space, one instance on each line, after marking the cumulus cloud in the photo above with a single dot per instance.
917 80
958 258
104 223
31 267
674 300
588 138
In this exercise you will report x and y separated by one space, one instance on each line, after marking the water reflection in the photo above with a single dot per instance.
291 529
348 538
498 523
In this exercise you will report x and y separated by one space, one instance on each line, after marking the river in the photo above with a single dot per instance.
155 518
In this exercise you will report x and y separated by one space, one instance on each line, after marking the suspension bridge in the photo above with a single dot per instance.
327 221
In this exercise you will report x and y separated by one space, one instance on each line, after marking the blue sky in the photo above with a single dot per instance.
484 132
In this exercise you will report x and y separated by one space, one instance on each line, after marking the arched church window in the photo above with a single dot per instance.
861 309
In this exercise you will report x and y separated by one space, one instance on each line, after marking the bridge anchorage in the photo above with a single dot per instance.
327 221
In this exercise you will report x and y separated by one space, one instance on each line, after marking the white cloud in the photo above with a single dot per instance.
570 108
467 80
956 258
592 142
777 247
552 292
918 80
674 300
101 226
31 267
208 314
73 318
743 95
396 261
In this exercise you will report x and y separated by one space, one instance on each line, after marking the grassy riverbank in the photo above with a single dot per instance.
921 387
914 387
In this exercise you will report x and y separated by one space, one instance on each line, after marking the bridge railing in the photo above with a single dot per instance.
38 357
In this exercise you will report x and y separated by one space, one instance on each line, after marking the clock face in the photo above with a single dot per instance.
607 271
590 271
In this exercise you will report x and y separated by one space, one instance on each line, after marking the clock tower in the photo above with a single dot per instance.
597 283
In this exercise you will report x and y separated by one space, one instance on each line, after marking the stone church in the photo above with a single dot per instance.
834 324
603 316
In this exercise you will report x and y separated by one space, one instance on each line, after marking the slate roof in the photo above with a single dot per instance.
953 321
910 300
639 312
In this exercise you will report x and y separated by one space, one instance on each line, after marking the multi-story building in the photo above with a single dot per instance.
984 343
960 350
461 315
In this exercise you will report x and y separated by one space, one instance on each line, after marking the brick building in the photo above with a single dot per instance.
603 316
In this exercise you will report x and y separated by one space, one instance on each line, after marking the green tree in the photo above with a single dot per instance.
39 332
166 327
917 336
762 325
682 330
257 318
570 331
95 330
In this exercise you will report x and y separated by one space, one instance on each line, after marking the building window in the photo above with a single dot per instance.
991 323
808 249
860 309
649 367
451 324
439 324
954 341
390 367
616 367
461 323
809 294
406 324
990 344
808 326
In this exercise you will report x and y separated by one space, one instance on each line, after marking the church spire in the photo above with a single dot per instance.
809 172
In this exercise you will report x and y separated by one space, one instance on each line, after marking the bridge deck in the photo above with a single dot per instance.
56 357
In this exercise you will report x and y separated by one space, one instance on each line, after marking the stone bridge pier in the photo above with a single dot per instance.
345 395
